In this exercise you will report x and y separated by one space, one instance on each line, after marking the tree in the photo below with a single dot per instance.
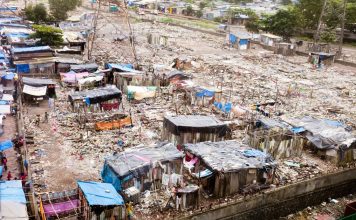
286 2
202 5
285 23
49 35
328 36
60 8
37 13
189 10
199 14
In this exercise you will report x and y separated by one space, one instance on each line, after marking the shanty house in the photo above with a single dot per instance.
240 41
80 68
285 49
12 200
321 59
34 60
103 98
58 205
270 39
275 137
100 201
144 168
331 139
37 88
226 167
183 129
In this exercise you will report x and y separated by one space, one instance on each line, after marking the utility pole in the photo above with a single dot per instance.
92 36
342 29
132 40
317 34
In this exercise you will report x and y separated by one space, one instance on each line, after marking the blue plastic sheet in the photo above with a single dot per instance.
254 153
6 145
4 102
232 38
23 68
297 130
205 93
109 176
100 193
122 67
226 108
243 42
12 191
9 76
1 170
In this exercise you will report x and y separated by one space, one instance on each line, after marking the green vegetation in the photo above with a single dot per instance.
294 19
191 23
49 35
36 13
60 8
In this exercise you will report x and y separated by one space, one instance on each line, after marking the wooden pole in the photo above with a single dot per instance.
342 29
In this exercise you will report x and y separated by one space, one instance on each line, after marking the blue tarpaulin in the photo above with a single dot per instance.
226 108
1 170
22 68
232 38
297 130
205 92
204 173
253 153
243 41
100 193
6 145
4 102
9 76
333 123
122 67
12 191
109 176
30 49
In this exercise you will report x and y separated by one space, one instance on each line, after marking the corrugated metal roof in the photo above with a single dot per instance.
31 49
100 193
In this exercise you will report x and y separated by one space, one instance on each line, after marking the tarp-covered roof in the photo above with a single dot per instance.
103 194
12 200
323 133
96 95
6 145
37 81
31 49
121 67
229 156
137 160
89 67
194 123
35 91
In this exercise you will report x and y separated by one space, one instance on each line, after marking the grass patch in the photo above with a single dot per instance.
190 23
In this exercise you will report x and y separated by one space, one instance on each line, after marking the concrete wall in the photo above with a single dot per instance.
285 200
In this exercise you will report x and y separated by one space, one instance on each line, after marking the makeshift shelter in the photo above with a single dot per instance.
141 92
144 167
100 201
119 68
99 98
225 167
27 53
190 197
270 39
275 137
34 89
183 129
285 49
331 139
321 59
57 205
12 200
80 68
124 79
43 66
240 41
